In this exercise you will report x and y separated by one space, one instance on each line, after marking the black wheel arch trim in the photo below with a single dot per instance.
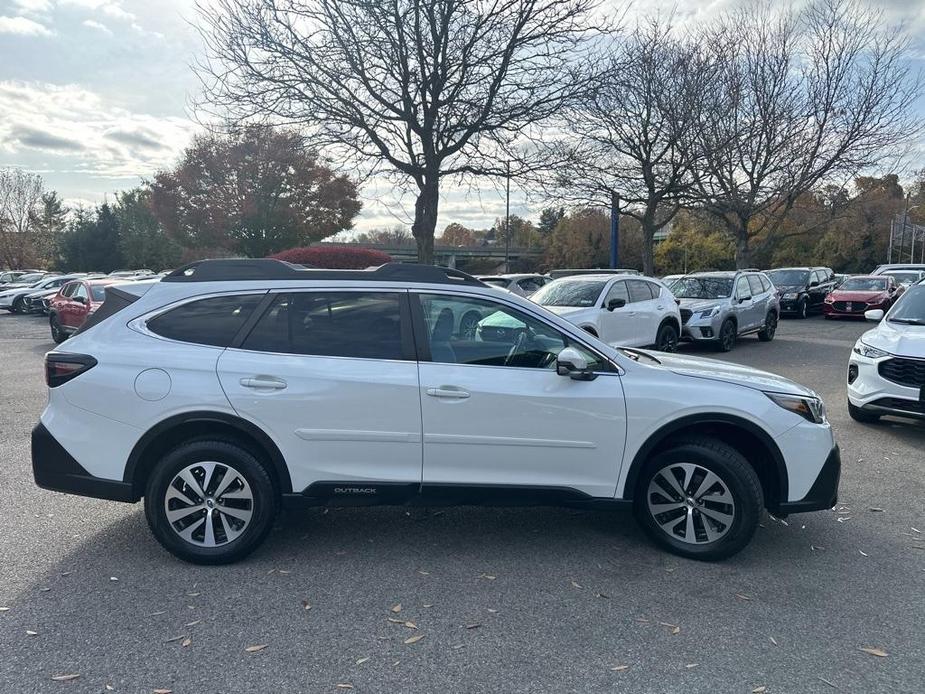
248 429
664 433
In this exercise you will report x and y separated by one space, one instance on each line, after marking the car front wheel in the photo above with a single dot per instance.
803 308
727 335
17 306
700 499
210 502
57 333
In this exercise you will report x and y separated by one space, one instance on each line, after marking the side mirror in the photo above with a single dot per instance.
571 363
743 299
615 303
814 283
80 299
874 314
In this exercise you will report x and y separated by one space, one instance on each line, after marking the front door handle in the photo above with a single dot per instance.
263 383
448 392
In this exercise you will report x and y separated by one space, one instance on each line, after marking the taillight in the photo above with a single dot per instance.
61 367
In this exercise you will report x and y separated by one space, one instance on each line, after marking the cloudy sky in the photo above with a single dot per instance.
95 94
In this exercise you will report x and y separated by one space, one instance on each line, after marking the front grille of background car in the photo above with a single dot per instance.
686 314
917 407
905 372
856 306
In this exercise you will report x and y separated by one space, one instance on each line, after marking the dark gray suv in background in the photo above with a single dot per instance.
719 307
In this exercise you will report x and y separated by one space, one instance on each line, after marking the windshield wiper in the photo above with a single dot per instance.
908 321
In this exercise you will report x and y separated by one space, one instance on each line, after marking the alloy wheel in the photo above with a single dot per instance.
667 339
209 504
690 503
728 336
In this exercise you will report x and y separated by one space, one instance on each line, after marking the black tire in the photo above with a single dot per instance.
727 336
739 478
859 415
803 308
263 510
57 334
767 333
17 306
667 338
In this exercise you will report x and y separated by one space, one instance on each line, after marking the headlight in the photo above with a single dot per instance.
866 350
790 295
809 408
709 312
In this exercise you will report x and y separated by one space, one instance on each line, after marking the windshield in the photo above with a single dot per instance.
702 287
570 293
907 277
863 284
788 278
910 309
31 278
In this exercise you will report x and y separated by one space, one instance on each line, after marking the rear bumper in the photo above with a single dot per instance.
824 492
55 469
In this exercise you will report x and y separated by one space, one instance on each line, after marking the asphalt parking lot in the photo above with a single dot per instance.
503 600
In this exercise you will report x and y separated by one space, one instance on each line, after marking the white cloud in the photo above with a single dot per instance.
111 8
92 24
77 131
23 26
33 6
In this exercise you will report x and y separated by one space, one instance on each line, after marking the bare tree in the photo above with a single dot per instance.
803 98
627 132
425 88
20 198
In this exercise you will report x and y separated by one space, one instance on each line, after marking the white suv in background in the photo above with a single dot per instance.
620 310
886 370
233 387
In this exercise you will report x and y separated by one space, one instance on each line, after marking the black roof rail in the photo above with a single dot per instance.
270 269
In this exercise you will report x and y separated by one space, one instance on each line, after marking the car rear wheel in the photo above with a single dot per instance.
727 335
57 332
766 334
700 499
210 502
859 415
667 338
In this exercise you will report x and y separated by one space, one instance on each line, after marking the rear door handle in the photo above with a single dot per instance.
448 392
263 383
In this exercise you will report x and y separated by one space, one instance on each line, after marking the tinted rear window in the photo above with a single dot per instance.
331 324
212 321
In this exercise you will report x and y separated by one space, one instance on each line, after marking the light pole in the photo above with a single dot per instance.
507 218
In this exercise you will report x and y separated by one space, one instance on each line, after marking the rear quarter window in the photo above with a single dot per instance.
214 321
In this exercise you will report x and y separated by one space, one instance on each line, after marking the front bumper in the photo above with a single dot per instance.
871 392
790 305
697 329
824 492
56 469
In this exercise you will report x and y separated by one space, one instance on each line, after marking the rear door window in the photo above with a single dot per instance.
639 290
360 325
213 321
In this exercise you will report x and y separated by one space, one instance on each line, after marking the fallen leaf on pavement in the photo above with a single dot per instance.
65 678
4 609
773 640
474 625
690 665
186 642
863 554
413 639
306 605
396 621
742 596
175 638
620 668
831 684
254 649
192 624
575 584
29 632
879 652
163 691
759 690
360 661
875 510
488 576
411 625
396 608
344 685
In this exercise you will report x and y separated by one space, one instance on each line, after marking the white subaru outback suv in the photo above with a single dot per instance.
233 387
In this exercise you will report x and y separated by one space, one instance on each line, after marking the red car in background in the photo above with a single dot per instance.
861 293
74 302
